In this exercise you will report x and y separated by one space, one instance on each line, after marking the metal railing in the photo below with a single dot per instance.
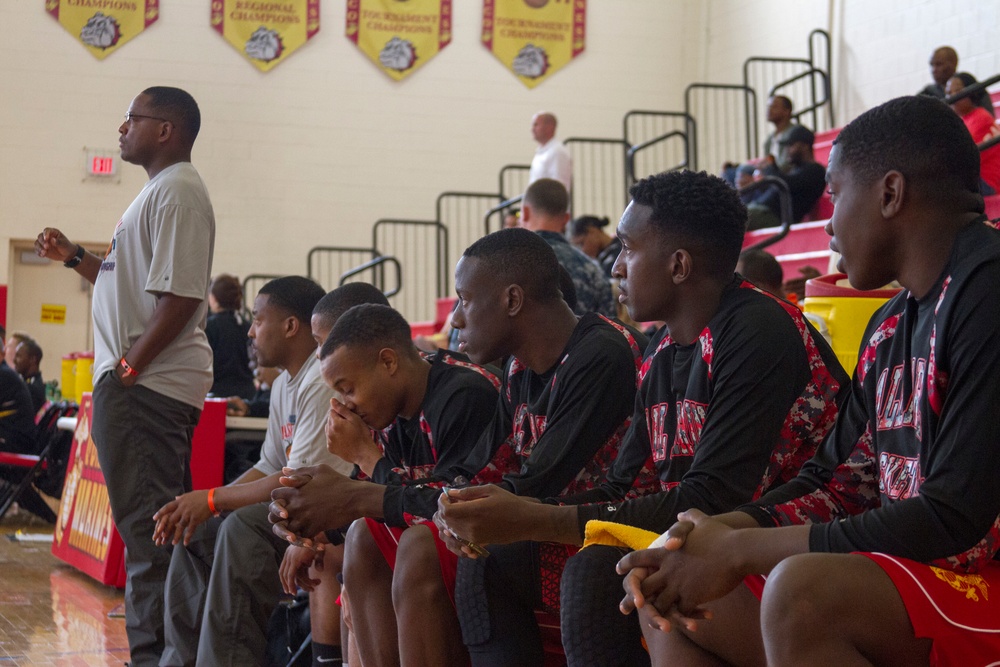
251 285
600 179
464 215
500 210
421 248
377 268
513 180
806 81
658 141
720 138
784 208
326 264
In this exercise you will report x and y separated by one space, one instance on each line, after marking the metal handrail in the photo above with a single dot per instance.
248 298
751 114
441 247
784 207
630 153
973 89
331 249
689 124
621 143
510 167
989 143
499 208
377 262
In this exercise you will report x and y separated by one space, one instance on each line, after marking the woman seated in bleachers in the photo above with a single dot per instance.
982 126
588 235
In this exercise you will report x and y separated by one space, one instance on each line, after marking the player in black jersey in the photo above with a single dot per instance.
884 550
736 393
551 433
426 415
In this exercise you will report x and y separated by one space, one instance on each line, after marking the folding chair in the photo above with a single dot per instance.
18 472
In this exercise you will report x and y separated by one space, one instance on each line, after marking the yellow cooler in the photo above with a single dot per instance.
846 312
68 378
84 374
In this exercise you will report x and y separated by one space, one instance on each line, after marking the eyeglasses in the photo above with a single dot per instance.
129 117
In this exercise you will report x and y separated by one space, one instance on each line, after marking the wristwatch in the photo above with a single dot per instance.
77 257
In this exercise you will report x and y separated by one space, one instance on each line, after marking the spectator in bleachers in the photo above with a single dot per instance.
777 144
805 178
982 126
544 211
10 347
26 360
944 64
588 235
551 160
227 329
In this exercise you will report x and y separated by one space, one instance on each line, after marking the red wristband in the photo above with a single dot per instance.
211 503
128 370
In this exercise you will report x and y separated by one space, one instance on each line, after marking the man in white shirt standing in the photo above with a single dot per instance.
552 159
152 361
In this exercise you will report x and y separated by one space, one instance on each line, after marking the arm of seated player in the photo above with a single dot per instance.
178 519
490 515
294 569
705 562
319 498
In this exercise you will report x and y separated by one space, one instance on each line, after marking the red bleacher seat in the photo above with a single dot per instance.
807 244
443 310
992 206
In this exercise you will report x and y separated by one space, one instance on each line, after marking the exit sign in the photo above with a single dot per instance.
102 162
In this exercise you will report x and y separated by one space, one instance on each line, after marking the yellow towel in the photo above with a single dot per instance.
617 535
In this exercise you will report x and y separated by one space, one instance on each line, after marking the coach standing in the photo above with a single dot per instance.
152 364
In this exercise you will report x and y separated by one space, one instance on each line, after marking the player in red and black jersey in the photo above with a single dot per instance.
885 549
426 414
736 393
551 432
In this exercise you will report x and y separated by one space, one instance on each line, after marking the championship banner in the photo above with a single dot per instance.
266 32
104 25
534 38
399 35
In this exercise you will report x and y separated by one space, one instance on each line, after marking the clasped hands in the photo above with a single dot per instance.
674 581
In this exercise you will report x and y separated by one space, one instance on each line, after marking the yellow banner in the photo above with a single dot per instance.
399 35
534 38
266 32
104 25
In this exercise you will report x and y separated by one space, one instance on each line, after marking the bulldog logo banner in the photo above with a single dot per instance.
534 38
399 35
104 25
266 32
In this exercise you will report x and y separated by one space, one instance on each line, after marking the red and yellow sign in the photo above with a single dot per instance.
399 35
534 38
85 534
266 32
104 25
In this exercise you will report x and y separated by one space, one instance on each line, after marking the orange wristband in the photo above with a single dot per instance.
126 369
211 503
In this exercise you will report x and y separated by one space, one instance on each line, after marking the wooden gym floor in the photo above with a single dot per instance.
50 613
